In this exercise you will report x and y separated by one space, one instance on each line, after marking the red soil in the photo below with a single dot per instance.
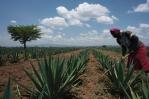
93 82
17 71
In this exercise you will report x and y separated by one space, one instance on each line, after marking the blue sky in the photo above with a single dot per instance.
75 22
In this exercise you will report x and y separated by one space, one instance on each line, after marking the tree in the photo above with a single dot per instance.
24 33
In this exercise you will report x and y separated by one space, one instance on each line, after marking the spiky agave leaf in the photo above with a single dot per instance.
55 76
133 94
121 79
8 91
145 87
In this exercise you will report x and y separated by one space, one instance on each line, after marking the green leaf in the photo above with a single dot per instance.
8 91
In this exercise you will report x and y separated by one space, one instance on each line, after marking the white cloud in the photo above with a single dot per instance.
13 21
114 17
53 22
45 29
90 35
57 37
85 12
88 11
70 16
75 22
105 20
132 28
144 26
78 16
106 31
62 10
90 38
142 8
142 31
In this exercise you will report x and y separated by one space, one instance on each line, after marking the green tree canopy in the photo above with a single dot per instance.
24 33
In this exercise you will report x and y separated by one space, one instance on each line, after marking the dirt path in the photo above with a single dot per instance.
93 83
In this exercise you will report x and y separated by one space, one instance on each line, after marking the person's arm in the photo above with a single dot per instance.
124 49
118 41
130 60
134 42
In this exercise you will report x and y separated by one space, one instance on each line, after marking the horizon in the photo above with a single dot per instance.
75 22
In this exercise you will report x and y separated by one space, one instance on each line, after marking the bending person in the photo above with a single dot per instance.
134 47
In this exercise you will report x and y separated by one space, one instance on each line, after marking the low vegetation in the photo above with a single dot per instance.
15 54
125 83
55 76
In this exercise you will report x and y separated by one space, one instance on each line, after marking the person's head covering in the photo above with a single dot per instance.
115 32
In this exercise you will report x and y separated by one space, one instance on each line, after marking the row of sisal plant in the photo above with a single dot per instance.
54 78
15 54
125 82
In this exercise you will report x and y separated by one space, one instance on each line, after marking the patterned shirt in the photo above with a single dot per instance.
125 42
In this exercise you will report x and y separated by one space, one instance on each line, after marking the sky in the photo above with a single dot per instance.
75 22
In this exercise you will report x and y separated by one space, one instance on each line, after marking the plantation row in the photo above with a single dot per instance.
111 48
54 78
115 49
13 55
125 83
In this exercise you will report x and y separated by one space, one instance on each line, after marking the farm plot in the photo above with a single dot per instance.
17 70
88 75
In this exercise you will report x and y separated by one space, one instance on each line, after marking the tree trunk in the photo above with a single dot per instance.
24 45
25 54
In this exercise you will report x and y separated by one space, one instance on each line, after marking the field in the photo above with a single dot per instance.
69 73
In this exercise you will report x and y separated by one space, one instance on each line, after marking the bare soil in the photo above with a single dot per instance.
93 82
17 71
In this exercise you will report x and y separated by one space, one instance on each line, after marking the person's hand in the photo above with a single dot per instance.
126 55
123 57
